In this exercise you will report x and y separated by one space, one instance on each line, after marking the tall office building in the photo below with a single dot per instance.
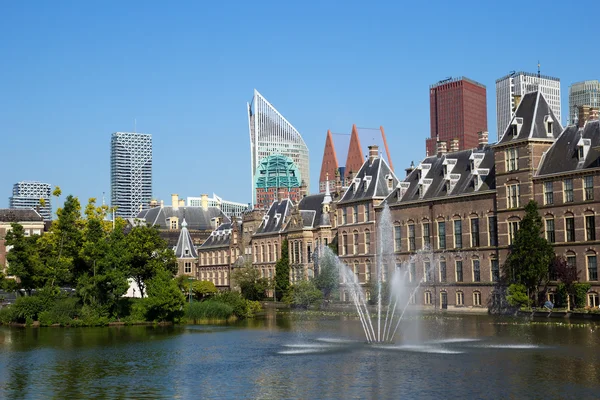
586 93
130 172
272 135
36 195
512 87
458 111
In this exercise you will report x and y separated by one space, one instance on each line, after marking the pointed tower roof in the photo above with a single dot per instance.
355 157
185 246
330 162
327 198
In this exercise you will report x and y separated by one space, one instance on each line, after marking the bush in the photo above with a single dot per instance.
242 308
27 307
7 315
517 295
210 309
580 293
303 294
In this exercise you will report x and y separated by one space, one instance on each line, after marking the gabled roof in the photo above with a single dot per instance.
534 111
185 246
563 155
19 215
197 218
370 182
274 218
459 179
220 237
311 209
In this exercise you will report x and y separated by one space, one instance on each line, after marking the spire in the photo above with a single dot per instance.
327 198
184 224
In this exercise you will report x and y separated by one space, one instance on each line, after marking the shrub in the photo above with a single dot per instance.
303 294
517 295
580 293
28 307
242 308
7 315
210 309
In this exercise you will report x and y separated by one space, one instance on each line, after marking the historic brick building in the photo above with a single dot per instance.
220 253
355 215
185 252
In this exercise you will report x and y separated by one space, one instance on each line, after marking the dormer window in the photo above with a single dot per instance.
445 170
515 127
390 182
356 184
448 187
548 122
421 191
367 180
580 152
277 218
187 252
583 147
472 165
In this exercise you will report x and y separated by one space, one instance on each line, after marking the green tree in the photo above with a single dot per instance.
165 301
327 277
203 289
517 295
248 279
282 271
530 255
303 294
147 254
23 260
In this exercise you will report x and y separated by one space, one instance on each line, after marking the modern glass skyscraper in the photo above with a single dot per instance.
586 93
271 134
130 172
34 195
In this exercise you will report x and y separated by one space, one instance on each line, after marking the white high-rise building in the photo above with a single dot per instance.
130 172
36 195
229 208
586 93
521 83
271 134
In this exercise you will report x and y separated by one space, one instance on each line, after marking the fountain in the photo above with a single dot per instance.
382 326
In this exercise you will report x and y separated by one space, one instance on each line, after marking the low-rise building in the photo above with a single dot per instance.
219 254
31 220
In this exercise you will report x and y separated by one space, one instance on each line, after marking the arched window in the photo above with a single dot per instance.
477 298
344 243
367 241
368 271
397 237
443 275
593 299
355 242
356 271
427 298
269 252
592 266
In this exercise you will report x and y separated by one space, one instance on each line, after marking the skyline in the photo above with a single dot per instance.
78 73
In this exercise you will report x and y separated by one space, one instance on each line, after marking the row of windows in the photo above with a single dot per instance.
428 298
355 243
219 278
569 223
266 253
355 214
588 190
218 257
457 235
297 254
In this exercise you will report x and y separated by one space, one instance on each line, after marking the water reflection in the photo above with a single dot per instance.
294 355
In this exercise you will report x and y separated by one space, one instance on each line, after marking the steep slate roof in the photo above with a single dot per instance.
19 215
534 109
185 246
270 223
197 218
311 209
562 156
464 179
379 171
220 237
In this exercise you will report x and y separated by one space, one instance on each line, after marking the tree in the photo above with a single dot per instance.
303 294
165 301
248 279
282 271
202 289
530 255
147 254
22 258
517 295
327 277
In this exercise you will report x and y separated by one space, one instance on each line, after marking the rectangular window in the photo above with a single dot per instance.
367 242
513 228
397 238
309 252
344 244
548 193
428 298
458 234
476 271
441 235
550 231
188 268
355 243
355 214
592 268
570 228
495 270
428 271
513 196
493 230
443 271
412 272
512 159
411 238
460 299
459 271
590 227
572 261
367 213
568 187
476 298
426 236
474 232
343 216
588 187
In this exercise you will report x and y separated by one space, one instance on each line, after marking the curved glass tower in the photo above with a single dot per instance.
270 134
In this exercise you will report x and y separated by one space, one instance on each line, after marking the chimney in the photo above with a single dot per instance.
441 148
483 139
175 202
373 153
411 168
587 113
303 190
181 203
280 194
517 98
454 145
204 201
162 203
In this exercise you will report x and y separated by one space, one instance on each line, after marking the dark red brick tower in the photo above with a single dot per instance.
458 110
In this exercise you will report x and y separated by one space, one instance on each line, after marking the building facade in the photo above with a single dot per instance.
31 220
271 134
277 175
229 208
35 195
185 252
130 172
458 111
344 153
512 87
586 93
219 254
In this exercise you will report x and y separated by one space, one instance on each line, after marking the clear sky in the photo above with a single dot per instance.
73 72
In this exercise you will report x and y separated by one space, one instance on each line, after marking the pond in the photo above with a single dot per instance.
305 356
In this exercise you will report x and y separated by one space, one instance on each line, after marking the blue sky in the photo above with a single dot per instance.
71 73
